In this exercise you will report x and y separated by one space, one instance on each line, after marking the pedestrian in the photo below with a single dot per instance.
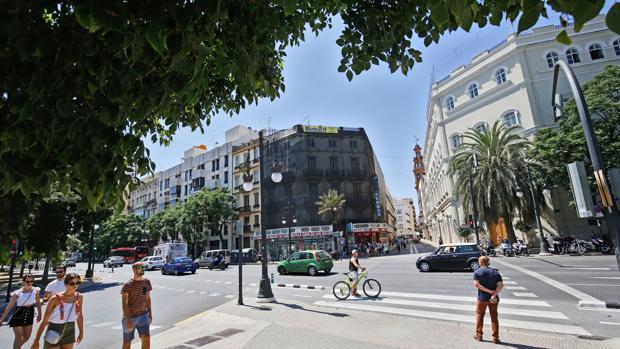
63 311
57 286
489 284
137 314
21 322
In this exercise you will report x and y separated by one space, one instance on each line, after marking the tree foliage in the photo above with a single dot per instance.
119 230
84 83
330 203
556 147
500 170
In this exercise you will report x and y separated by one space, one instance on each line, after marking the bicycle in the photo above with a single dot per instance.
371 287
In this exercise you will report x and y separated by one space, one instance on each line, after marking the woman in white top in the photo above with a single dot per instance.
63 312
25 298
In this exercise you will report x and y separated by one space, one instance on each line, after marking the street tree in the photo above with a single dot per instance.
214 209
500 169
84 84
191 224
330 203
155 227
119 230
561 145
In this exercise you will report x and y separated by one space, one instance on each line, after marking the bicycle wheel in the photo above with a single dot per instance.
342 290
372 288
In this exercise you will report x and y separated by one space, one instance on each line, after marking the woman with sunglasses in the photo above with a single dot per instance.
63 311
25 298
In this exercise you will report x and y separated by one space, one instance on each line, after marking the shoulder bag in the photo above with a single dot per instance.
53 337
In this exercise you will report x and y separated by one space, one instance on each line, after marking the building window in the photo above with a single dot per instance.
450 103
312 162
236 181
355 163
511 119
256 199
246 200
480 128
552 59
500 76
256 220
256 153
616 45
310 142
596 52
333 162
357 192
255 176
456 141
572 56
473 90
226 177
353 143
313 190
167 183
237 160
225 160
332 143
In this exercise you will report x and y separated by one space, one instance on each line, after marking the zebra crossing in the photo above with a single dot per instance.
519 310
109 325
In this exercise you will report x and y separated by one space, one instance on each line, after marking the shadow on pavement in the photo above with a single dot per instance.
299 307
519 346
98 286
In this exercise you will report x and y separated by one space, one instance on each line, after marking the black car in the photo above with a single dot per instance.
451 257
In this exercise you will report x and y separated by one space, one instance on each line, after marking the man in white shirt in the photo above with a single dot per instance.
57 286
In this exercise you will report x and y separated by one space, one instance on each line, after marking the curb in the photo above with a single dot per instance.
310 287
598 305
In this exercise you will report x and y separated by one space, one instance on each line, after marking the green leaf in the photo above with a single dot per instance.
156 37
289 6
613 18
349 75
87 19
563 38
342 68
531 13
584 11
428 40
440 14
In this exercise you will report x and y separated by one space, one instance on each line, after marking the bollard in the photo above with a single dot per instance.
272 279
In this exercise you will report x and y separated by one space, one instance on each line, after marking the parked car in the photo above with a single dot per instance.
69 262
310 261
179 265
114 261
152 262
248 255
451 257
206 257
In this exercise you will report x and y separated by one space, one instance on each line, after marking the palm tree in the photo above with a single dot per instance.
329 204
501 163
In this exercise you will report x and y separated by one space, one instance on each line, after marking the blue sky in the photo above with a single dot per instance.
390 107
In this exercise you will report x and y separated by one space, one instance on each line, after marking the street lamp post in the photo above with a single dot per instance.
289 220
439 227
473 196
90 269
265 294
448 224
544 249
610 213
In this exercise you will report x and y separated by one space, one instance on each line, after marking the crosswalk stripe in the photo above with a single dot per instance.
218 282
461 307
525 294
464 299
508 282
517 288
228 282
103 324
214 294
191 292
528 325
203 292
230 296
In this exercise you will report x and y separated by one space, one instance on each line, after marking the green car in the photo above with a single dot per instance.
310 261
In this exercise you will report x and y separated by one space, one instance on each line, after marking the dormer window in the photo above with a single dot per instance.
473 90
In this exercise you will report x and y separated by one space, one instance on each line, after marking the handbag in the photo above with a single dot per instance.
53 337
17 309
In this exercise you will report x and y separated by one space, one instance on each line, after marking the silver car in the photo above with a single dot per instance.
114 261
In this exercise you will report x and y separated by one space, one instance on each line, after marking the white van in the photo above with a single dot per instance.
207 257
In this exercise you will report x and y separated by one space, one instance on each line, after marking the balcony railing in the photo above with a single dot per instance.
245 209
357 173
247 228
256 225
334 173
313 172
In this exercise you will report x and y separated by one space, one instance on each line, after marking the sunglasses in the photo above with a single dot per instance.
141 268
60 271
74 283
28 282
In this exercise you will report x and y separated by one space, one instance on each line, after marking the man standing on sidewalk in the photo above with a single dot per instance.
57 286
137 314
489 283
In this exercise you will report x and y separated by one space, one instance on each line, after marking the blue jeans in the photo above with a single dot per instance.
140 323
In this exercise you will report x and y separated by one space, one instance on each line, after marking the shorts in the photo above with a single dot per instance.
140 323
66 330
353 275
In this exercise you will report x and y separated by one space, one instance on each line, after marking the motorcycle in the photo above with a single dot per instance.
506 248
222 265
575 246
598 245
520 248
488 248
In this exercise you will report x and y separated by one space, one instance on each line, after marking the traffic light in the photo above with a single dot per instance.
471 221
21 246
13 248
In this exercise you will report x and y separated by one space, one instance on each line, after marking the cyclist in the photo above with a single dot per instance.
354 267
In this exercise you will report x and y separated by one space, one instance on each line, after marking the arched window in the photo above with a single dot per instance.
456 140
552 59
572 56
500 76
596 52
511 119
450 103
480 128
473 90
616 45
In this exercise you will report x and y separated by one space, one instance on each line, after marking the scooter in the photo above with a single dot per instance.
599 245
489 249
520 248
506 248
221 265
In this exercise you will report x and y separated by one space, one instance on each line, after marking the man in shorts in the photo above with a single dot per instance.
354 267
137 314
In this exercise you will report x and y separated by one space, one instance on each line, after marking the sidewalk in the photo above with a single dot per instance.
294 324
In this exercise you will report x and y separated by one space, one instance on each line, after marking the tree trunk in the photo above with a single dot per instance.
219 233
21 271
512 237
48 260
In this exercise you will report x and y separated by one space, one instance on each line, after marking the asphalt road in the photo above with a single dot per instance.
528 304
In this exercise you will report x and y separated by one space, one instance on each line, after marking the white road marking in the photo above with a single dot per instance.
207 281
585 300
191 292
462 307
518 288
228 282
302 296
608 285
180 290
104 324
463 299
214 294
525 294
606 277
610 323
218 282
588 268
529 325
510 282
202 292
230 296
505 277
253 284
116 328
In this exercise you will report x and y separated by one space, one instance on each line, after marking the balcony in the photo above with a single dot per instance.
334 173
256 225
151 202
256 205
313 173
243 209
247 228
357 173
